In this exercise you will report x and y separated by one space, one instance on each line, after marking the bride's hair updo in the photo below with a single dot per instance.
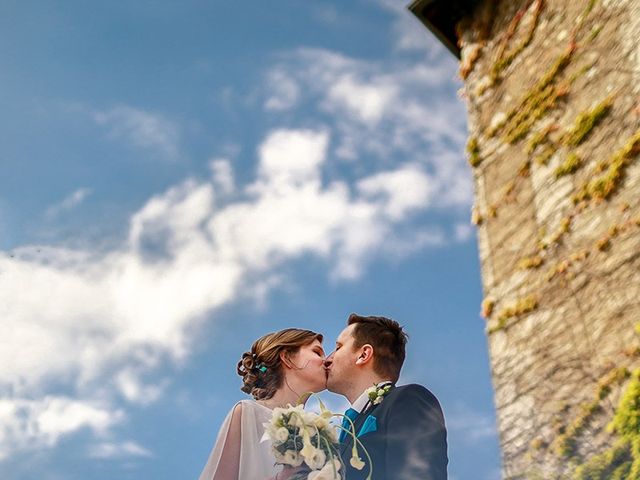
261 368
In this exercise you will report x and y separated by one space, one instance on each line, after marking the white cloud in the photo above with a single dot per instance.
292 157
223 177
71 201
400 191
469 425
141 128
284 91
40 423
365 101
119 450
100 324
390 113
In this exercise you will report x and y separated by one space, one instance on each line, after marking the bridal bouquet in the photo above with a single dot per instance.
308 441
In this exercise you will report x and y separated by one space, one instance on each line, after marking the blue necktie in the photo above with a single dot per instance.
352 414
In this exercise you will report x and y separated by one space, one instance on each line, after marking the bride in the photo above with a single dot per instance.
280 367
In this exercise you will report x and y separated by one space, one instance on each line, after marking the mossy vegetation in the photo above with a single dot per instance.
525 168
518 308
612 464
473 150
554 239
476 216
487 307
571 165
566 443
539 138
530 262
614 168
537 106
505 58
543 157
586 122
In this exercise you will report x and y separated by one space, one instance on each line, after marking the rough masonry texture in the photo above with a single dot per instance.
553 94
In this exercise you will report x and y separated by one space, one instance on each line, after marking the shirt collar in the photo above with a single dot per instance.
361 402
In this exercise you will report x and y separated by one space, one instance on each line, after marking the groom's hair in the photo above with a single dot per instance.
387 339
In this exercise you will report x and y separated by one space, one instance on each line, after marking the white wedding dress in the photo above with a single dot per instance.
256 460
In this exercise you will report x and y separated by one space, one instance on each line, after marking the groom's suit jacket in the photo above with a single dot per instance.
405 436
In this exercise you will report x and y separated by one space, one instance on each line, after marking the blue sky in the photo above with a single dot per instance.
180 178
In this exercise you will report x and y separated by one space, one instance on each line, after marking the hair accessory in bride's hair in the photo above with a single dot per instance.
258 365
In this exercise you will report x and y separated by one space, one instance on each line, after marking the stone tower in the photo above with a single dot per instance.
553 95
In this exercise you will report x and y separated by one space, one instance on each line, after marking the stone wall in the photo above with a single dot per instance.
553 94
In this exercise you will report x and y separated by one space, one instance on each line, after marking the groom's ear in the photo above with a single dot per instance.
365 355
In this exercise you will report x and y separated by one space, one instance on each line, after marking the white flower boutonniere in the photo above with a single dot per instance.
376 393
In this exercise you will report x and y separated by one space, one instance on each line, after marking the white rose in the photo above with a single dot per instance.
309 417
316 460
277 414
297 418
292 458
281 435
308 449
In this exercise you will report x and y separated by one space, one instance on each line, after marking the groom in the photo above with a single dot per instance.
402 428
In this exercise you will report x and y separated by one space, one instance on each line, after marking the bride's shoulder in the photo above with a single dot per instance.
245 404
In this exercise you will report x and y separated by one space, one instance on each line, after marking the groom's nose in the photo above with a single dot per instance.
328 361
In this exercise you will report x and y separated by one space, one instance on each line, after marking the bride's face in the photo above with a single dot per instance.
310 373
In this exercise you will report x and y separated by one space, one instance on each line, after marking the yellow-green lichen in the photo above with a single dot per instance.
476 216
542 97
626 422
505 59
566 443
603 244
558 269
525 168
537 444
487 307
595 31
473 149
612 464
530 262
614 168
539 138
543 157
563 228
518 308
572 163
536 108
586 122
615 376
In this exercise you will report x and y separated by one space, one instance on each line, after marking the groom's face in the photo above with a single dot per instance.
341 364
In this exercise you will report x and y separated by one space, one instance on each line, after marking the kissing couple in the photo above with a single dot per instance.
401 427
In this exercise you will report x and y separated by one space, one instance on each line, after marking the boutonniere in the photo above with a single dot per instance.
376 393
